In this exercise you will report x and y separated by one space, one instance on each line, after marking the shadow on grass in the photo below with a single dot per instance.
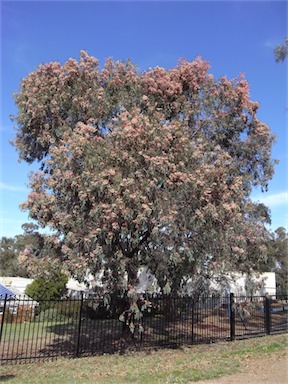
166 325
92 337
6 377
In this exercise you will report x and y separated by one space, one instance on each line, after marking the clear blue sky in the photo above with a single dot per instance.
235 37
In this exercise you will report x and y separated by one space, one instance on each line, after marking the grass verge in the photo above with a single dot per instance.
179 366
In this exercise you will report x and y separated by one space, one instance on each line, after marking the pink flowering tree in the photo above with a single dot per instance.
147 169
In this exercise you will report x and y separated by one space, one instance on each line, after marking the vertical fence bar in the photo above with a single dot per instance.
17 320
3 317
267 317
192 325
232 317
79 326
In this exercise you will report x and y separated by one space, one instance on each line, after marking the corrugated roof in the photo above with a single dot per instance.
5 291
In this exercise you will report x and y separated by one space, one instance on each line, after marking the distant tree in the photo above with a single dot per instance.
50 287
9 265
281 51
13 251
277 258
10 249
32 242
151 168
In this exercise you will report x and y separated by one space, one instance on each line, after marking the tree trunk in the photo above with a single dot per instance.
132 272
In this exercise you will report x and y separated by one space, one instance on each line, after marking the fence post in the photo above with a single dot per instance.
79 325
267 312
3 316
232 317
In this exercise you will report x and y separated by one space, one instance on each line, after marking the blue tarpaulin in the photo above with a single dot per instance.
5 291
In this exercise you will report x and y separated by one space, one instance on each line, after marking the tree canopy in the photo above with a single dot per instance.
150 168
11 247
277 261
9 258
281 51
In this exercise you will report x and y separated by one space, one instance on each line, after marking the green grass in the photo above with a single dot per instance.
24 331
177 366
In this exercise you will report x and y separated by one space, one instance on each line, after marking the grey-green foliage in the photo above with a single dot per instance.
281 51
9 251
277 261
10 248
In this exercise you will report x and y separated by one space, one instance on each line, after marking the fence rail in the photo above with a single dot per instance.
73 328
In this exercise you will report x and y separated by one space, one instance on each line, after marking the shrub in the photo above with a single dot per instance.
48 288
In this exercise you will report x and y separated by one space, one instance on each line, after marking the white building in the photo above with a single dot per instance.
259 285
239 284
18 285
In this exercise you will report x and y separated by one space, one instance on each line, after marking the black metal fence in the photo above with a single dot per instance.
73 328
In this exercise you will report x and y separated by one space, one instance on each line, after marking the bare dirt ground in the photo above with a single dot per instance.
267 370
